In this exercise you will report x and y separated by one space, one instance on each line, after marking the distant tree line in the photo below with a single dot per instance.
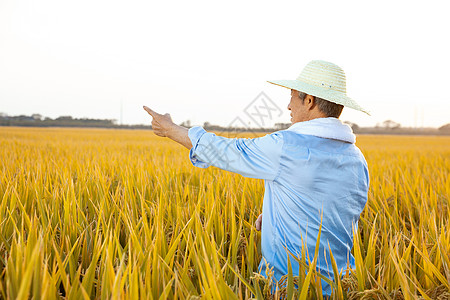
37 120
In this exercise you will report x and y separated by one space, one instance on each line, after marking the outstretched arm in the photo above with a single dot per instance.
164 126
254 158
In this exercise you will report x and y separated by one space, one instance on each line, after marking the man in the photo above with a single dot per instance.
314 174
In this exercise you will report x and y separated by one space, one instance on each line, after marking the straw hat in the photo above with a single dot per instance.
324 80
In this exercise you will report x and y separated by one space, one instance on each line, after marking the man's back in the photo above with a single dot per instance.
316 175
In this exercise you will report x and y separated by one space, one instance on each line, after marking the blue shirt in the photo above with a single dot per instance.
309 168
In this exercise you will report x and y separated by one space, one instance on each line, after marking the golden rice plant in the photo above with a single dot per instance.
98 213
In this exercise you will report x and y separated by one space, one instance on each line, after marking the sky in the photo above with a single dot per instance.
209 60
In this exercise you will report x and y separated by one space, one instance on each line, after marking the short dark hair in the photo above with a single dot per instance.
330 109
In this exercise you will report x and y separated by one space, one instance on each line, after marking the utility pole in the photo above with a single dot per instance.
121 111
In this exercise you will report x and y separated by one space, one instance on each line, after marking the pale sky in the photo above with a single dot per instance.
207 60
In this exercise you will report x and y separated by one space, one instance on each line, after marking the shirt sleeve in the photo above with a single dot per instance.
254 158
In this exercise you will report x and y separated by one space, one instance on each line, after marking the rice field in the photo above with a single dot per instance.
123 214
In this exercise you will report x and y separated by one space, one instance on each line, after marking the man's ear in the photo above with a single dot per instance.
310 101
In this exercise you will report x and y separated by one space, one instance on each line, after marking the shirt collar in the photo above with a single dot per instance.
329 128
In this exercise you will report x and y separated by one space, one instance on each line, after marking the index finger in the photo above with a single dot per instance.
150 111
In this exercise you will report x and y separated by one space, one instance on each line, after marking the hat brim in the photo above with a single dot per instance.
327 94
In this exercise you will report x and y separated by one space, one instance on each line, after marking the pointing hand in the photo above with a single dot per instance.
160 123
